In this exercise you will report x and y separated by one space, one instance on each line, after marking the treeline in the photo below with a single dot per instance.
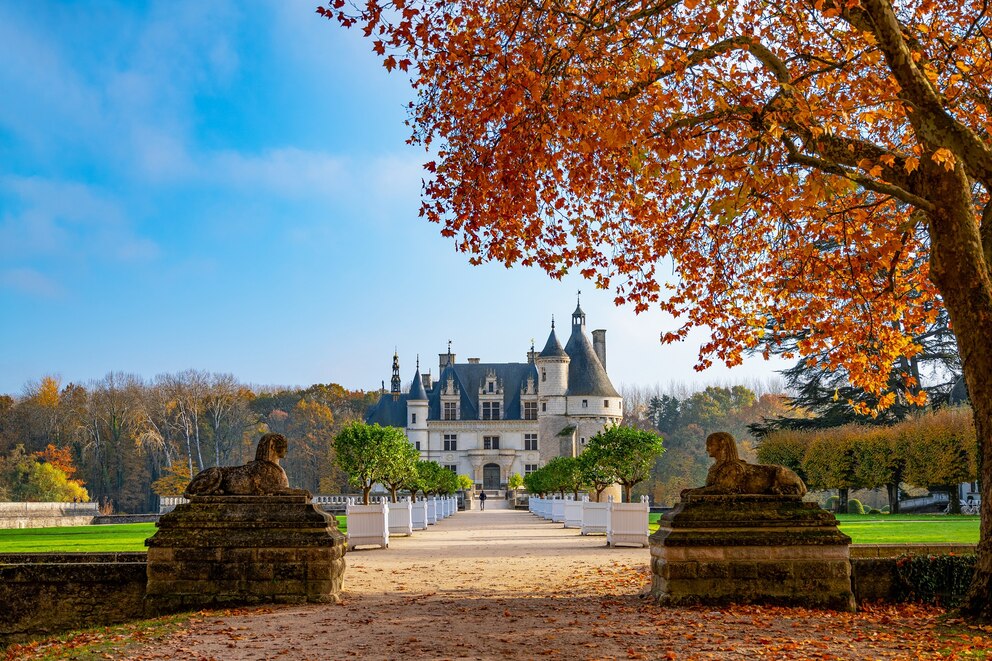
127 438
684 418
935 450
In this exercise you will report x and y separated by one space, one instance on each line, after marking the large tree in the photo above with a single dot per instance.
792 160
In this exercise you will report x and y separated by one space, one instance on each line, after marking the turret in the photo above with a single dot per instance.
552 366
416 411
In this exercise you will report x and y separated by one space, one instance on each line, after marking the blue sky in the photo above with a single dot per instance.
226 186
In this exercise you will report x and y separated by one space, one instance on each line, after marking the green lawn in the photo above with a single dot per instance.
863 529
900 528
124 537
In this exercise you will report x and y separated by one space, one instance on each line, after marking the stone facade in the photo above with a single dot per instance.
488 420
226 550
723 549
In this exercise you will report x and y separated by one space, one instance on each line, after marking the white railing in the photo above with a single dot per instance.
627 523
558 510
594 517
401 517
573 513
419 515
368 525
168 503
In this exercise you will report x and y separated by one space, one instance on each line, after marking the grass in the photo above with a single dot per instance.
900 528
69 539
863 529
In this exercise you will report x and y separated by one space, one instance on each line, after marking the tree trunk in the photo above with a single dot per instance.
953 502
626 492
365 494
892 489
960 272
393 495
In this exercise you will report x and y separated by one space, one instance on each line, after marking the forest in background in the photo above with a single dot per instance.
124 438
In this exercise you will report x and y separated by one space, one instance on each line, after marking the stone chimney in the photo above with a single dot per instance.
599 345
474 361
427 381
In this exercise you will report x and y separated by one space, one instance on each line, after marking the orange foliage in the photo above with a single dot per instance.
61 458
775 154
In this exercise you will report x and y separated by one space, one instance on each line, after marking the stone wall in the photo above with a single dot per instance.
46 593
46 515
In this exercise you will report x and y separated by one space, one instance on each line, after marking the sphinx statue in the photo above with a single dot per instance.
731 475
262 477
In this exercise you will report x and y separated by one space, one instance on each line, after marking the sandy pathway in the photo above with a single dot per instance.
507 585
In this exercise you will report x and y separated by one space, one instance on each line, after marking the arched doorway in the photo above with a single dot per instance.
490 477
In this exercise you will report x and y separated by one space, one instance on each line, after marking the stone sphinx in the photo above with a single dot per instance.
262 477
731 475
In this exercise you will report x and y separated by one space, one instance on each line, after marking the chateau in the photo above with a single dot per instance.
488 420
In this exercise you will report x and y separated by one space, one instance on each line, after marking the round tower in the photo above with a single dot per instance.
552 368
416 412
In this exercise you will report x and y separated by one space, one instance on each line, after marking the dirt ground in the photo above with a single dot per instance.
507 585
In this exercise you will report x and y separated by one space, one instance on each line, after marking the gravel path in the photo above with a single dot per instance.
507 585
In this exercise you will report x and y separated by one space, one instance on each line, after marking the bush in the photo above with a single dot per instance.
872 510
935 579
854 506
885 509
831 504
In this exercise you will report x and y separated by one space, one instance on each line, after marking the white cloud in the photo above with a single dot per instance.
67 220
29 281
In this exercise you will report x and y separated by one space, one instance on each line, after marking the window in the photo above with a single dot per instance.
491 386
451 410
544 374
529 468
413 418
606 403
417 445
450 442
490 410
490 442
530 410
585 403
582 440
530 441
452 467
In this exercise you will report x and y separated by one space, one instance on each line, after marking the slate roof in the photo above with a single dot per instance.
417 391
388 412
552 349
470 376
586 375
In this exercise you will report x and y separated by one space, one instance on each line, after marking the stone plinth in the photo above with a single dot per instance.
724 549
225 550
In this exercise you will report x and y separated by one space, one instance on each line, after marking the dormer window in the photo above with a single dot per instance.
490 410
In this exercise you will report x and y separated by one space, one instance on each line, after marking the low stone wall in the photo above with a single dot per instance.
45 593
47 515
874 576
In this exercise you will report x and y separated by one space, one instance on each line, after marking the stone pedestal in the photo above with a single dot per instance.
218 551
736 549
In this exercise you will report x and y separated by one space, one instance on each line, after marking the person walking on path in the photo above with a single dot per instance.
482 501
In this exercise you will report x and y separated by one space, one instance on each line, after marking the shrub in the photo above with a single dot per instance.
854 506
935 579
872 510
885 509
831 504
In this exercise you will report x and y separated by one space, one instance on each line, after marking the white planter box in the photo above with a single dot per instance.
627 523
532 504
573 513
401 517
594 517
431 511
368 525
418 514
557 510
